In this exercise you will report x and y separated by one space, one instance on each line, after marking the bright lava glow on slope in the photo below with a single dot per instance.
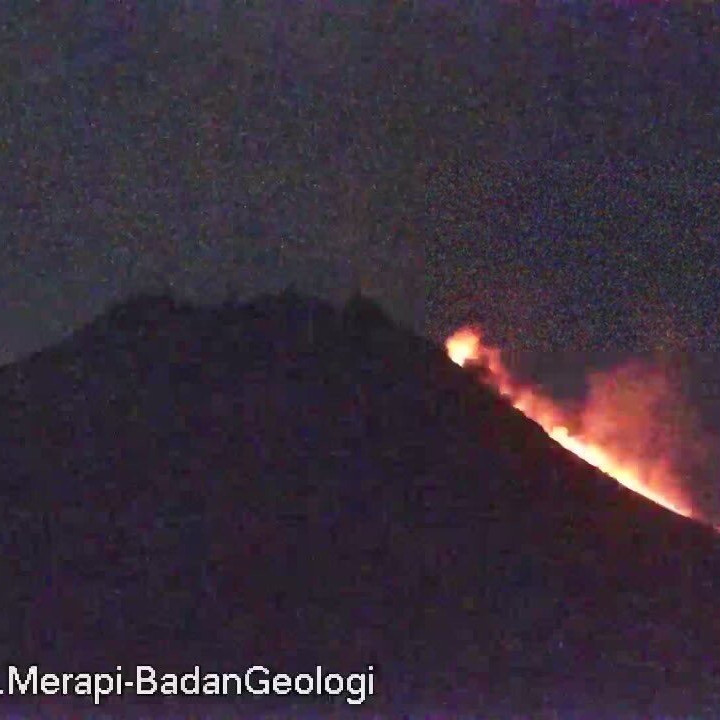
654 481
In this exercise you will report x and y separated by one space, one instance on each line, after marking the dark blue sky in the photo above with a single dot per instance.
551 172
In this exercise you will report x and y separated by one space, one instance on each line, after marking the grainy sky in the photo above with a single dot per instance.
550 169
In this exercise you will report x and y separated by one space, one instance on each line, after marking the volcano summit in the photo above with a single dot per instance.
289 484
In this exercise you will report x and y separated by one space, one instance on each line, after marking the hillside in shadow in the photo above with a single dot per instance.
288 483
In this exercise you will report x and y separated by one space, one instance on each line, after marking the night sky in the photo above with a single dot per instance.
548 169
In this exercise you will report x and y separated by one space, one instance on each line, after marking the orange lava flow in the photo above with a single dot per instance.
653 479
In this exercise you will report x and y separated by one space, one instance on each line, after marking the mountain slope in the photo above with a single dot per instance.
288 483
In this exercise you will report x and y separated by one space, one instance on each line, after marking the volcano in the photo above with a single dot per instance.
293 484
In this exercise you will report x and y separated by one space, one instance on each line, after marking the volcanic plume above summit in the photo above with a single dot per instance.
632 425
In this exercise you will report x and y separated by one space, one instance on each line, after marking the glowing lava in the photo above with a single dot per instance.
621 458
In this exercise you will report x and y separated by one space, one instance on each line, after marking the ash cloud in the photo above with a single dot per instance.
640 410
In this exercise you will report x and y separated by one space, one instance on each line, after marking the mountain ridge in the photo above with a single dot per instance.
289 482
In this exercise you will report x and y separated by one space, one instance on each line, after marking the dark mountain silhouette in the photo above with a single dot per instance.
290 483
